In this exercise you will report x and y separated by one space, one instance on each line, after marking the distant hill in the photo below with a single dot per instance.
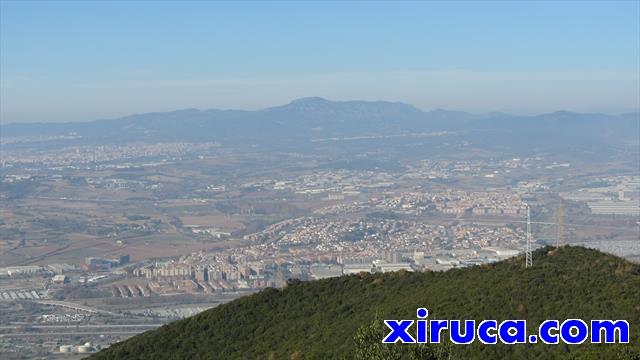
312 118
332 318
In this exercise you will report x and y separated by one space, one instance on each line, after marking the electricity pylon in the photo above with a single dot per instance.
560 225
529 254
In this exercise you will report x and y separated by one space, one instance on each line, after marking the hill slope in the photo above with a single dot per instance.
319 319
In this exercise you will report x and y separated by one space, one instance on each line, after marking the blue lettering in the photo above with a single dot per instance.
422 325
569 336
436 326
513 331
545 332
469 332
483 332
609 327
398 332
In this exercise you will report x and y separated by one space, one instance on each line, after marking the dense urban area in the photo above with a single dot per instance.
101 242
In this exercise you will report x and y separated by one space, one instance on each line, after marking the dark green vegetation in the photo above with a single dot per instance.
335 318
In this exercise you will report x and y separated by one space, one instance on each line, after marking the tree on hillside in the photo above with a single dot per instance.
369 346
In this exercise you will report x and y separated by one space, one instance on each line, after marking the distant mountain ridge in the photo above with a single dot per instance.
315 117
320 319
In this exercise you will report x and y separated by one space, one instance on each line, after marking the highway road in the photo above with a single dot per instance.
82 326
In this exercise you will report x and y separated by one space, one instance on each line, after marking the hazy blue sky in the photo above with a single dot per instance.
70 61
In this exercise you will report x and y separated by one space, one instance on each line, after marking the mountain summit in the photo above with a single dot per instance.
318 107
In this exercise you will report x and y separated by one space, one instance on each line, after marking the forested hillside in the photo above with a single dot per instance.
342 317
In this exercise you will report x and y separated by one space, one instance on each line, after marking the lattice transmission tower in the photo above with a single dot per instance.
528 254
560 225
